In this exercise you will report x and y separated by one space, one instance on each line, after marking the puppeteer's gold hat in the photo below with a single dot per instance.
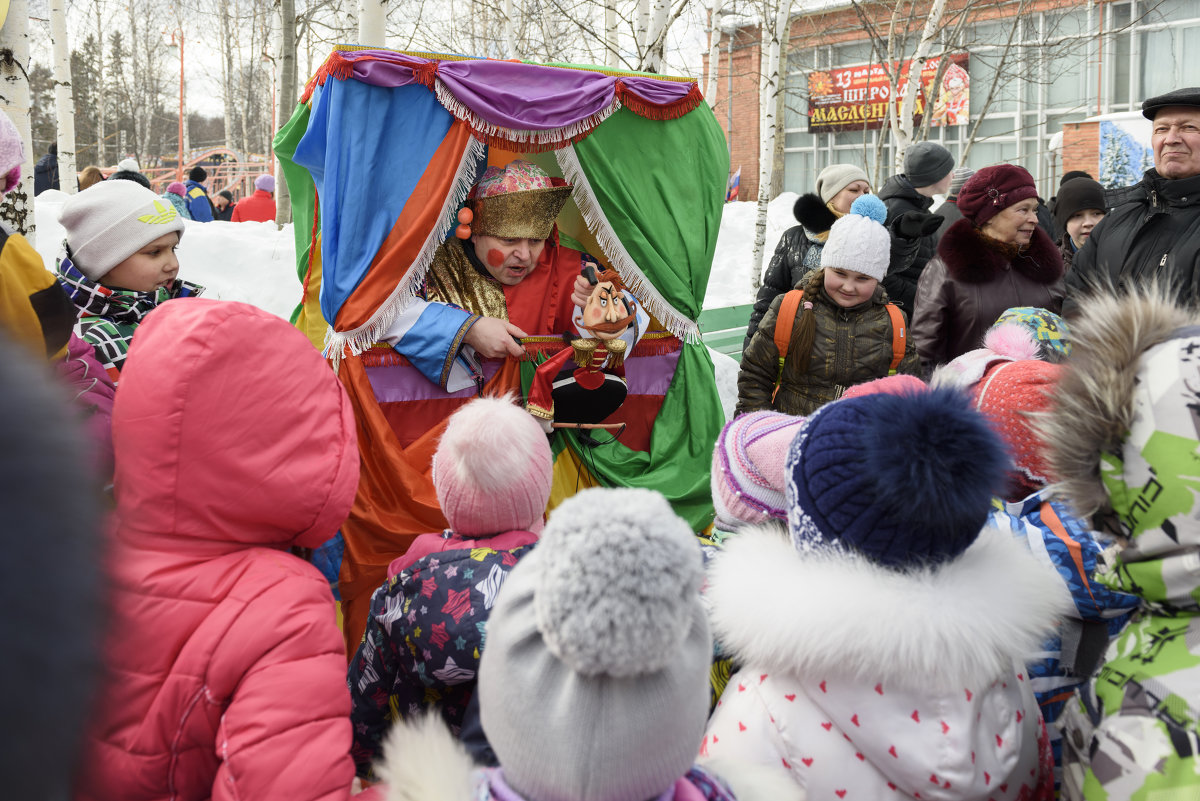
517 201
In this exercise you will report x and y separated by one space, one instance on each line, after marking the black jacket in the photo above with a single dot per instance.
45 174
949 213
1151 233
899 196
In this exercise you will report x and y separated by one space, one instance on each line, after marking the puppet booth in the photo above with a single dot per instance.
379 156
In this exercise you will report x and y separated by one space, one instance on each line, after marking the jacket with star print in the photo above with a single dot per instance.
866 682
425 632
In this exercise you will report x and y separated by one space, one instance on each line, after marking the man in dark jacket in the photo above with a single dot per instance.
1152 232
223 205
928 171
45 172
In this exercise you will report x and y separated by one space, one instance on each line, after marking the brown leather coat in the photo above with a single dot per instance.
969 285
851 346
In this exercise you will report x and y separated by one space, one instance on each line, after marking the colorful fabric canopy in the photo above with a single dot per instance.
379 157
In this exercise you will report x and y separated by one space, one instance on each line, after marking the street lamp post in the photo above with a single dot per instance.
179 165
268 59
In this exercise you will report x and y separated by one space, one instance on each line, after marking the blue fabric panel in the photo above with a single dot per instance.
366 148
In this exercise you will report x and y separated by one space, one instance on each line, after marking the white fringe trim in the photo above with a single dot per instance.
635 280
555 136
366 335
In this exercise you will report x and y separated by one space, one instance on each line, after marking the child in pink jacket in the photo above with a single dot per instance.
234 444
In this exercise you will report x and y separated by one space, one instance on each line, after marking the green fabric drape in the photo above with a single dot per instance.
661 186
300 186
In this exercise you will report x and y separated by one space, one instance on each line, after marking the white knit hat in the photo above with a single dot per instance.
858 241
836 177
593 684
113 220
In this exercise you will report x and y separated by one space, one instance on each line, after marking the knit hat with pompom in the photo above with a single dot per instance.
747 469
492 469
593 684
858 241
904 480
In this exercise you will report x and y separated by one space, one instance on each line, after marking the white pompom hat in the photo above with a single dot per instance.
858 241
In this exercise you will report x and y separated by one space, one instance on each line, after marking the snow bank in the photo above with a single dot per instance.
729 282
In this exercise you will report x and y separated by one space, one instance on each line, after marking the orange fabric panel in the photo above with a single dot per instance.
396 500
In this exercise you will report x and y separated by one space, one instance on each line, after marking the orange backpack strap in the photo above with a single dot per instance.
783 323
783 329
899 336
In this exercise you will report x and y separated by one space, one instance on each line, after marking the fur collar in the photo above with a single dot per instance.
1094 400
822 612
813 214
970 258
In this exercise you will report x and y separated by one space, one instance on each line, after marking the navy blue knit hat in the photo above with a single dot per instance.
905 480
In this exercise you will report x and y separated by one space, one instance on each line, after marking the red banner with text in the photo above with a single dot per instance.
857 98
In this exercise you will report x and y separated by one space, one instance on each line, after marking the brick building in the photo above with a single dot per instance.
1072 65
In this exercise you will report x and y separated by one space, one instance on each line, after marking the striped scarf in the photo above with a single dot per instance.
108 317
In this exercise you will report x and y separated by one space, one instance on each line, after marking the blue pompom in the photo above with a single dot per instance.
869 206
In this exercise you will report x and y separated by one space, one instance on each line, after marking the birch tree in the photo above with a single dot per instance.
287 97
901 119
101 96
510 31
16 210
64 97
371 23
612 52
716 19
775 22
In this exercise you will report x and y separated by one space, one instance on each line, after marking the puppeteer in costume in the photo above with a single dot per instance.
519 201
516 202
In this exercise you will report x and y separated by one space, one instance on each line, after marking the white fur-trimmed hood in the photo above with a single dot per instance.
823 612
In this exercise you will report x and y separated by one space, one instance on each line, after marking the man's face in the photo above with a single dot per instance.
1176 142
509 261
220 202
606 316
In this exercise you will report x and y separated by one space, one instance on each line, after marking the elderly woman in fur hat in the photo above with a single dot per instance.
993 259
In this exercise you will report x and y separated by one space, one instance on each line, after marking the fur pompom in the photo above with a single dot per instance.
935 463
870 207
811 212
489 444
620 581
423 762
1011 340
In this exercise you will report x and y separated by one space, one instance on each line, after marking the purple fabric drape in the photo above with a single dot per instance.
514 96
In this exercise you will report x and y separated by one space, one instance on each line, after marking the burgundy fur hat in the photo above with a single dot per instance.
993 189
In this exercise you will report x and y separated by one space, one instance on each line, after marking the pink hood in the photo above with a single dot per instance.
226 673
241 392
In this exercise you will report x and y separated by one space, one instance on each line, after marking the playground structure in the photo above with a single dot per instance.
226 168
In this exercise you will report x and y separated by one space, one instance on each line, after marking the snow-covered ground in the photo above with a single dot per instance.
256 264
